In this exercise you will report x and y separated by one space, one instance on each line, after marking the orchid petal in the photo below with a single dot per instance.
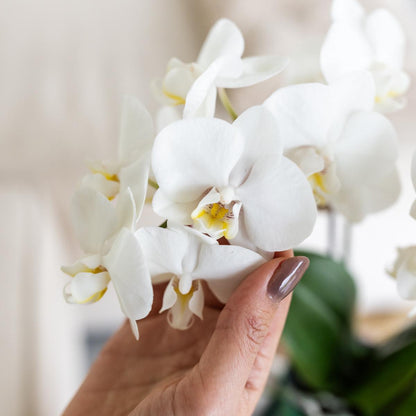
126 210
345 49
204 88
367 197
261 136
196 303
94 219
179 80
137 132
100 183
130 276
156 87
279 207
255 69
106 167
167 115
135 177
175 211
163 250
369 178
243 240
352 92
224 39
406 280
180 316
367 148
191 156
169 296
299 110
387 37
307 159
224 267
86 264
87 287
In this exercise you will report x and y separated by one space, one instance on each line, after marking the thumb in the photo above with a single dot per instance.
244 329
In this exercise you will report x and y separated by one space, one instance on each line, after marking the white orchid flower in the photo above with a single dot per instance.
105 232
131 170
347 152
184 257
232 181
375 43
404 270
219 64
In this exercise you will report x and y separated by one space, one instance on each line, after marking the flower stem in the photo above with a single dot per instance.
153 183
225 101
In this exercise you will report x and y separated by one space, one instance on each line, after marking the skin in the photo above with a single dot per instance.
217 367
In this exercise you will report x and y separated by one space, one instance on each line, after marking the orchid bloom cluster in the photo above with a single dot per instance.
254 183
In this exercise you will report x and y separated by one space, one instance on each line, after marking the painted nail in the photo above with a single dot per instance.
286 277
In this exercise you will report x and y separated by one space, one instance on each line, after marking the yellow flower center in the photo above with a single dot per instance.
183 299
317 181
215 217
390 94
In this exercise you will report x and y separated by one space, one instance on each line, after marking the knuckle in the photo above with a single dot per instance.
256 329
249 328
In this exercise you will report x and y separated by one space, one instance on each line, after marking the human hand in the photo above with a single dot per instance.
217 367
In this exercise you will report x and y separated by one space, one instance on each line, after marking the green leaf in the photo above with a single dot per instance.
332 282
318 330
391 377
407 406
284 408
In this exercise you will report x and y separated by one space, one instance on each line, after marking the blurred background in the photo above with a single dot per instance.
64 68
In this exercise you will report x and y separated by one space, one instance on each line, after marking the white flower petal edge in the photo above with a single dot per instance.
279 209
93 218
365 160
130 276
223 39
225 267
188 258
136 131
255 69
215 166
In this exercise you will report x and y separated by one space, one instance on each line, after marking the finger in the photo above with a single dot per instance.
286 253
261 368
244 324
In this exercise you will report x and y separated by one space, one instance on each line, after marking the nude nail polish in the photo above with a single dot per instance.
286 277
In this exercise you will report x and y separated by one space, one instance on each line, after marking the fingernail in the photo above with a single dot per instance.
286 277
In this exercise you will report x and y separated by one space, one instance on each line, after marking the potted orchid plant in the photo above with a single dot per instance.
234 192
